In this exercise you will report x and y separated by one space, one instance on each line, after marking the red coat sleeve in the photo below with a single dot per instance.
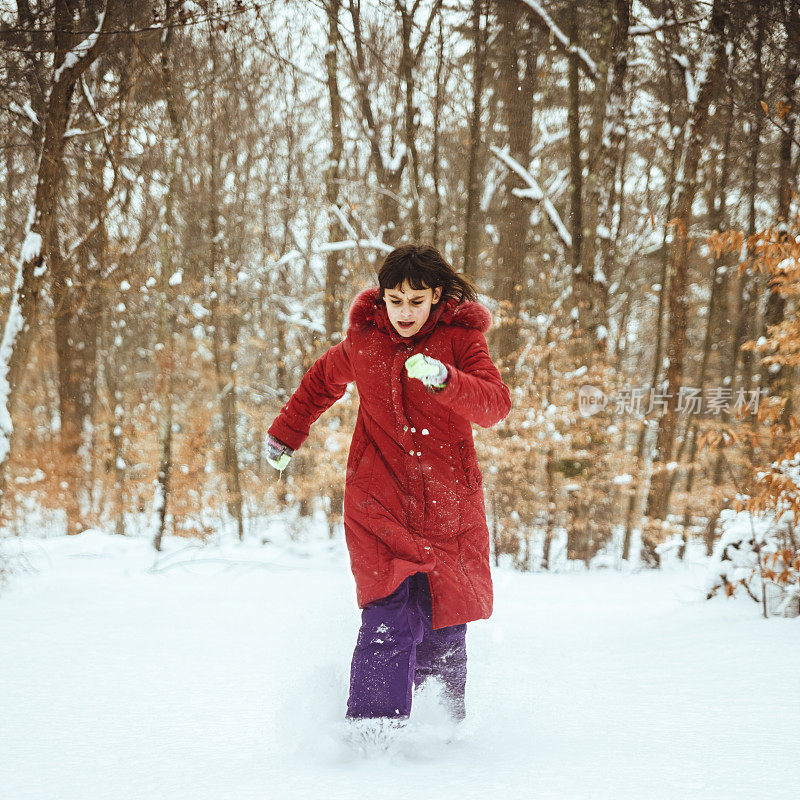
474 388
323 384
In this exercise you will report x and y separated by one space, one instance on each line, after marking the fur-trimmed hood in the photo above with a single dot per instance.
368 309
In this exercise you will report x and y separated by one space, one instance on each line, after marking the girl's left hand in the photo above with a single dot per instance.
430 371
278 453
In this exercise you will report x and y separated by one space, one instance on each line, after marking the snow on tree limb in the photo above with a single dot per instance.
347 244
586 62
327 247
77 59
73 133
369 239
660 24
24 110
31 248
342 217
534 192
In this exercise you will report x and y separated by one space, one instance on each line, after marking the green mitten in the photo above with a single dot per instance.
429 370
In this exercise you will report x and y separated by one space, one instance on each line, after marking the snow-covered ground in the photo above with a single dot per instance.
223 673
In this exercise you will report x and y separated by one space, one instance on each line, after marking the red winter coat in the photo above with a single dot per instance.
413 498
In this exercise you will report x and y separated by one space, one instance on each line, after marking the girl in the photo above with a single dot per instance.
414 517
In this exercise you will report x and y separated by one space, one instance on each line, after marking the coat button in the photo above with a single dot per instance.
413 430
411 452
405 427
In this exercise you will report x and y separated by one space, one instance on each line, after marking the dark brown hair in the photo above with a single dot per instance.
424 267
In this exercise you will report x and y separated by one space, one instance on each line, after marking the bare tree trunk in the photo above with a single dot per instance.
791 70
409 60
691 435
471 222
780 381
113 350
262 373
77 298
610 146
644 455
592 210
575 165
65 302
718 327
517 42
10 203
746 313
388 178
224 329
165 346
679 256
334 301
590 293
550 465
725 334
435 157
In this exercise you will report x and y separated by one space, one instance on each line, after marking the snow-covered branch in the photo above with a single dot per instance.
534 192
327 247
73 133
348 244
77 59
24 111
562 40
661 24
342 217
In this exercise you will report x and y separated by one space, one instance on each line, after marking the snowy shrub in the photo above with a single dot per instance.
759 549
759 554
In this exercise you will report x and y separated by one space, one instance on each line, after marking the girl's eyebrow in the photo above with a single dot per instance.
413 296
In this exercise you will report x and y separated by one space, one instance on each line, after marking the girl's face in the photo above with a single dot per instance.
409 308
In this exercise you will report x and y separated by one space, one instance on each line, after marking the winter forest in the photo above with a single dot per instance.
194 191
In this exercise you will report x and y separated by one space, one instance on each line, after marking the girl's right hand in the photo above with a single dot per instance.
278 453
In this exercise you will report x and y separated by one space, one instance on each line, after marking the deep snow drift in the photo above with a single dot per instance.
223 673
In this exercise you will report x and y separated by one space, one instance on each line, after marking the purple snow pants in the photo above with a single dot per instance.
397 650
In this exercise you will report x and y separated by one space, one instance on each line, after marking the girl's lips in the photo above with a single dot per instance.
405 324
